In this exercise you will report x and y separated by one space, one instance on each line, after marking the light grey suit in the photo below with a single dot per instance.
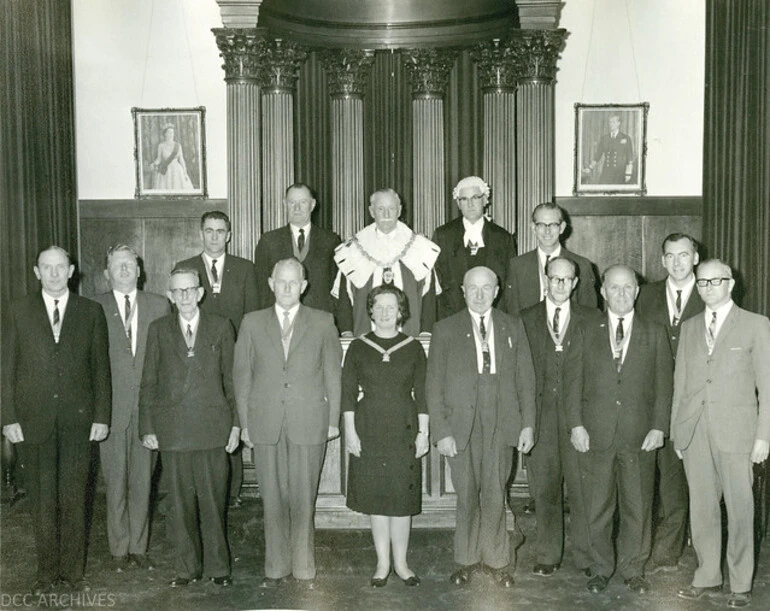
126 464
721 405
287 405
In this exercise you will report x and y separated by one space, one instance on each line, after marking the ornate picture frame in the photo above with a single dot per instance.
610 149
170 153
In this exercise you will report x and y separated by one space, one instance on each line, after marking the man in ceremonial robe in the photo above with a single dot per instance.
386 252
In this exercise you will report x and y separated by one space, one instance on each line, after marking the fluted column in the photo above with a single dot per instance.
497 73
281 61
429 70
537 52
240 50
347 71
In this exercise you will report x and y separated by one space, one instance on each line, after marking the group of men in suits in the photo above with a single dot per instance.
251 354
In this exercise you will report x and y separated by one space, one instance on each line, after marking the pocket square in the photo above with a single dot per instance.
737 348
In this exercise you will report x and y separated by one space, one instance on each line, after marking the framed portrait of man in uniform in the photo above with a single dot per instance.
610 149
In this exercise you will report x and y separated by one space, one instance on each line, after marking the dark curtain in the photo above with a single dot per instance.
736 156
38 200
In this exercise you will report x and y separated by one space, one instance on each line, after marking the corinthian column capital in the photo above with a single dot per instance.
537 52
280 63
240 49
347 71
497 65
429 70
239 13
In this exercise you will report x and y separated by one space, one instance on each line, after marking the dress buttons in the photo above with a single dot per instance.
287 385
617 402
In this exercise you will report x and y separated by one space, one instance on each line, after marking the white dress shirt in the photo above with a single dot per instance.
120 300
722 312
216 287
473 232
628 319
490 340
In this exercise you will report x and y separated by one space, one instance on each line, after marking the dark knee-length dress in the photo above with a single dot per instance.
386 479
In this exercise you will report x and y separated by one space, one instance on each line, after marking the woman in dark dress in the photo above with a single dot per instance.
386 431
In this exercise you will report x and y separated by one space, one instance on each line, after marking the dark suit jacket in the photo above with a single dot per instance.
453 261
540 342
523 282
732 384
452 379
653 305
623 407
238 294
46 384
319 265
301 394
188 402
127 367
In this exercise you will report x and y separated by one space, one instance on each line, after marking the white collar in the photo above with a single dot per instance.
295 230
542 255
220 260
722 311
627 319
194 322
550 307
62 301
279 310
120 296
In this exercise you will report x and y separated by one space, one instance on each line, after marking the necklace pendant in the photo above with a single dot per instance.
385 357
190 352
559 348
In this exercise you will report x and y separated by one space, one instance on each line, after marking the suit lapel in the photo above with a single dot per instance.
636 341
531 284
114 318
273 329
68 318
501 334
203 273
142 324
693 306
300 326
727 327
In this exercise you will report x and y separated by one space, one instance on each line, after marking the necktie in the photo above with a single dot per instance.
285 333
486 361
618 344
545 266
189 332
301 240
713 327
678 306
473 247
214 273
56 316
556 321
127 318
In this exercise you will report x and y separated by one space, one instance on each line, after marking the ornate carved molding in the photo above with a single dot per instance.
280 62
539 14
240 48
347 71
239 13
537 52
429 70
497 66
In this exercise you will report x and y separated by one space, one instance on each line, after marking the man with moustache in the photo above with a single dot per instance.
187 412
555 328
670 302
56 401
720 426
126 463
480 387
526 278
288 368
230 290
620 421
385 252
469 241
311 245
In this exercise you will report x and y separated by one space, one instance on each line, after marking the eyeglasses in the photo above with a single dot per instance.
544 226
712 281
560 281
301 202
185 292
474 198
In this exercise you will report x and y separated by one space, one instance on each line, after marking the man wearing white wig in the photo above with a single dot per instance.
386 252
470 240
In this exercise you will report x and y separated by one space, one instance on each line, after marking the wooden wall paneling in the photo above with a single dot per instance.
167 241
608 240
98 236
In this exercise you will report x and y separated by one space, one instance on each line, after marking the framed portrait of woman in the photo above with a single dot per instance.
170 152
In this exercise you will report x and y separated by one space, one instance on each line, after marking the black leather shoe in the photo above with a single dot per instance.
503 578
545 570
462 575
141 561
663 567
121 563
738 600
306 584
696 593
597 584
180 582
412 581
380 582
222 581
273 582
638 584
42 587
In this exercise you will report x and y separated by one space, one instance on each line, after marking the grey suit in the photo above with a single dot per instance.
287 405
126 463
721 405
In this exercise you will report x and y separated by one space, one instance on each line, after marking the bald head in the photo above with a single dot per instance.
619 289
480 288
